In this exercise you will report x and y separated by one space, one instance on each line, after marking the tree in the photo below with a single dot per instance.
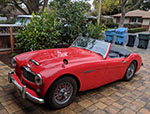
145 5
124 10
30 5
115 6
72 16
109 7
6 9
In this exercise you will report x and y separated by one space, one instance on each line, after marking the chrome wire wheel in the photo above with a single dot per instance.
63 92
130 71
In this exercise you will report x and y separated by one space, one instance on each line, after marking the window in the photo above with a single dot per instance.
139 20
136 19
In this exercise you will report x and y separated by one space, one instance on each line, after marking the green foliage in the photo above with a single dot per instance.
40 33
65 22
145 5
111 25
13 55
135 30
95 31
94 12
131 3
132 25
72 17
109 7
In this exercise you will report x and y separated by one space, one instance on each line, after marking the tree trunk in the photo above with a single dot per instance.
35 5
124 11
122 15
45 4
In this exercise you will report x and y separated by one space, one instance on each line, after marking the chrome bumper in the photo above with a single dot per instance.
23 90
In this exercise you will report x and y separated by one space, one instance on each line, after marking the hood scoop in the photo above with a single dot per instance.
34 62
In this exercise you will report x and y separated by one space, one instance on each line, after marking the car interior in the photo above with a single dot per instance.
117 52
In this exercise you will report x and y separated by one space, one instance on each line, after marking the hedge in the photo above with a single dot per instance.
132 25
135 30
111 25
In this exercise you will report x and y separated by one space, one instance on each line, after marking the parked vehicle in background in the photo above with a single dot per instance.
23 19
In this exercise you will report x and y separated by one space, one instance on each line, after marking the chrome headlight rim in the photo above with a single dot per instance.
13 62
38 79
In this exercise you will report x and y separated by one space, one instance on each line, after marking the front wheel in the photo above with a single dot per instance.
130 71
61 93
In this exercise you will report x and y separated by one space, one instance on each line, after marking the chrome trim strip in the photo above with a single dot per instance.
107 50
89 71
29 70
23 91
29 66
33 61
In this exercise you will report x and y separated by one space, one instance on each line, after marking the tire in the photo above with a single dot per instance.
130 71
61 93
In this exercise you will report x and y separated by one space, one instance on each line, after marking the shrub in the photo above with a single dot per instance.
72 17
58 28
95 31
135 30
40 33
132 25
111 25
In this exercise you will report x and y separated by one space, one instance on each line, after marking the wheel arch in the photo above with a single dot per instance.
65 75
136 64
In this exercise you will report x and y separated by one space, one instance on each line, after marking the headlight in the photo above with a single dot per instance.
13 62
38 79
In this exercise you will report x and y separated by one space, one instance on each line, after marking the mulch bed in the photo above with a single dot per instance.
6 58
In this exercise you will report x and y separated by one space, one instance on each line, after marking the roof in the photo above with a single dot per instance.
30 16
136 13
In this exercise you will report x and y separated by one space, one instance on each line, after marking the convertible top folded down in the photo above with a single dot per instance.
117 51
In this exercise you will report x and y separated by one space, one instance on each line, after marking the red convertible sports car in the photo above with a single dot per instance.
54 76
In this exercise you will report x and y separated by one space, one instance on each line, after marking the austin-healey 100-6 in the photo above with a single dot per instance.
54 76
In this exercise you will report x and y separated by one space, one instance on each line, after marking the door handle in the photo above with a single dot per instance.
124 62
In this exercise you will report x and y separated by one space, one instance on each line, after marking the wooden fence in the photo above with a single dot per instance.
7 34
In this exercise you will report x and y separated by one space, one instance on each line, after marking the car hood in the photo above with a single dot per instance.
54 57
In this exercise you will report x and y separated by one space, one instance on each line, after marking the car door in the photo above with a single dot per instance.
115 69
93 75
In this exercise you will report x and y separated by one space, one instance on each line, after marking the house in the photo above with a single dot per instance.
135 17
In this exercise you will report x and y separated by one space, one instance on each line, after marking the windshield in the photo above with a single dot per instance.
22 20
97 46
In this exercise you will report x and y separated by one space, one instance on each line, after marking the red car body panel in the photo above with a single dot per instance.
91 69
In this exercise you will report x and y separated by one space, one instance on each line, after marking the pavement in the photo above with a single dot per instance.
119 97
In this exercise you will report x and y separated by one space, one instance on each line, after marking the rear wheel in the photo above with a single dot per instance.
61 93
130 71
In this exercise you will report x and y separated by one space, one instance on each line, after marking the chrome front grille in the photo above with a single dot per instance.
28 74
